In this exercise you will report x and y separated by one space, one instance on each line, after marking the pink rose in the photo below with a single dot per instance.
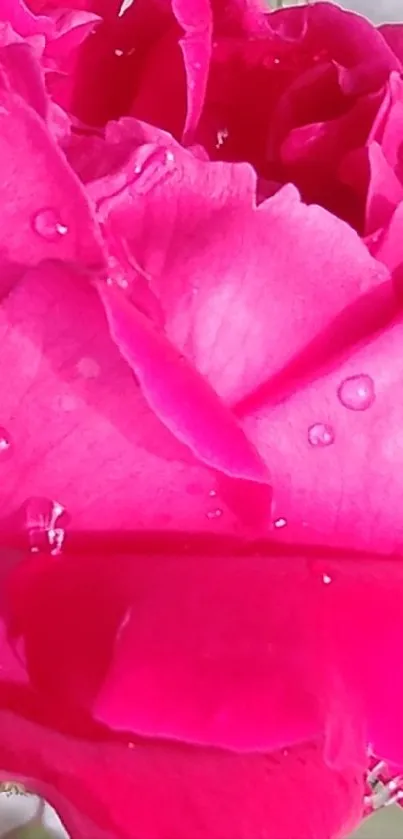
201 414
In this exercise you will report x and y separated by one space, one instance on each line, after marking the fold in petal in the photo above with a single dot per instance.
334 448
182 219
179 395
81 431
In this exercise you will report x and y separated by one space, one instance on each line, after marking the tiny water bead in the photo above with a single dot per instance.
41 520
320 435
279 523
357 393
214 514
5 443
326 579
48 224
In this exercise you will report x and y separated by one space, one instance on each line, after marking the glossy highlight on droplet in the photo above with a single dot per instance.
357 393
5 443
41 522
48 224
320 435
279 523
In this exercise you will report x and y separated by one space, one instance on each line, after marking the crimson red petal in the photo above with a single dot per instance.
149 790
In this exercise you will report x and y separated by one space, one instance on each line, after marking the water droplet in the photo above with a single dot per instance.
41 523
320 434
88 368
153 171
222 136
357 393
213 493
279 523
131 745
48 224
214 514
119 53
5 443
326 579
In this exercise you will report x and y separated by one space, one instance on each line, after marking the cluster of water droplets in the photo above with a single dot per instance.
215 512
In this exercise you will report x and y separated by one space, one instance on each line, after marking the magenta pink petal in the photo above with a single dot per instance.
385 191
386 130
23 20
81 431
45 213
183 219
180 396
334 448
25 76
387 246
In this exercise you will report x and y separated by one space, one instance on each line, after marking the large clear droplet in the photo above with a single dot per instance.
48 224
42 524
320 434
357 393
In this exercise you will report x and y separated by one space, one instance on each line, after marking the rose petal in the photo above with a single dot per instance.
178 395
45 212
214 647
81 431
370 174
387 246
97 788
344 492
182 219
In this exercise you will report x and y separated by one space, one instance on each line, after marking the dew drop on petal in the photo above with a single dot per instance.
213 493
222 136
214 514
41 521
279 523
48 224
326 579
320 434
5 442
119 53
357 393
